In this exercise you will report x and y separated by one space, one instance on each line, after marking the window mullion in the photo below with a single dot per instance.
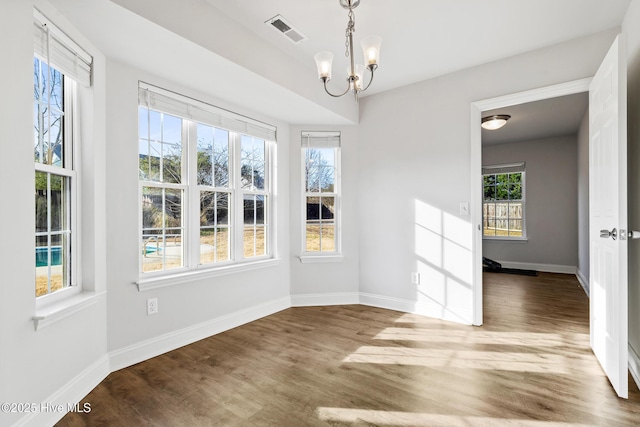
238 197
192 217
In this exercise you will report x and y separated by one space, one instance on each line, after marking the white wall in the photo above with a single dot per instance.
415 167
583 202
334 282
551 206
198 301
631 27
38 366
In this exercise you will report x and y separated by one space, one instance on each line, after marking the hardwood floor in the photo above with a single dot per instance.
529 365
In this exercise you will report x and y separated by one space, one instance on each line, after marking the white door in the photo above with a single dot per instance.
608 276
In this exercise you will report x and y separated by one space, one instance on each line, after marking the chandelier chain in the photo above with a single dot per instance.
351 28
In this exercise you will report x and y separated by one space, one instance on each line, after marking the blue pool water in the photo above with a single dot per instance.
41 256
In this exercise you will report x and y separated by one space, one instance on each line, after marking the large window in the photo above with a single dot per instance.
205 184
321 167
58 63
503 201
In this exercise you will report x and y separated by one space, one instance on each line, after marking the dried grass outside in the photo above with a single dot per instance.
328 241
215 248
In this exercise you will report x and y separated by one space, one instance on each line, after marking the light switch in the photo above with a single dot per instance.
464 208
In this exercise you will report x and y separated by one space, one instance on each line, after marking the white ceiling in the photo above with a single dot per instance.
538 120
421 39
426 38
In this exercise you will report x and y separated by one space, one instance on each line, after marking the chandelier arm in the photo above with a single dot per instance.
324 80
371 70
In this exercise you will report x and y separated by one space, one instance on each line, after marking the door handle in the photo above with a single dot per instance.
605 234
633 234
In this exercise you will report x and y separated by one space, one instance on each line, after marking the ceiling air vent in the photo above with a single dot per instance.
285 28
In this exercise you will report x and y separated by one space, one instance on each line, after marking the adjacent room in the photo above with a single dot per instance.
235 223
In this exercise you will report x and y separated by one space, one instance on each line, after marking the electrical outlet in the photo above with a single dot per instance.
415 278
152 306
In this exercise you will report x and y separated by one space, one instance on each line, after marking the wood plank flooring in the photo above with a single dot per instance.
529 365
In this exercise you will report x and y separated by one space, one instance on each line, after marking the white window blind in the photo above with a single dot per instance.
54 46
166 101
498 169
320 139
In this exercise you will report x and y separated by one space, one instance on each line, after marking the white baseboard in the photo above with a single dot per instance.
584 282
72 392
547 268
425 309
144 350
307 300
634 365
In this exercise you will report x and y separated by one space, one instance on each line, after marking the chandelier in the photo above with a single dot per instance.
355 72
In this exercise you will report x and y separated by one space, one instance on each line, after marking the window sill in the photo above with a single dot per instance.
150 283
313 259
54 312
507 239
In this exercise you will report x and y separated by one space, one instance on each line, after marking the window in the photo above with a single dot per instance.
503 201
205 184
58 63
321 169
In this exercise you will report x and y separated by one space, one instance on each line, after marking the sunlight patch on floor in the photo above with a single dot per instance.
483 360
483 337
395 418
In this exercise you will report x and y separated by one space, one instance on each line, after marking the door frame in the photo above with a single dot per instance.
477 107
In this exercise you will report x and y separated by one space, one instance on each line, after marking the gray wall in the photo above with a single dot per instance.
632 29
583 202
415 169
551 207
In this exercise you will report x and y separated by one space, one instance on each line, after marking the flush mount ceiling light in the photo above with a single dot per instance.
355 72
494 122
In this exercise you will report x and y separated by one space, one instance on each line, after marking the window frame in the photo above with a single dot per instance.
336 194
512 168
191 210
70 169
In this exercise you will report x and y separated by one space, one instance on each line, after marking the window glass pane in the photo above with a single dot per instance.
143 124
37 135
171 129
328 208
515 228
152 250
254 229
260 210
328 238
42 203
173 250
152 162
205 154
313 237
54 134
172 163
489 193
515 211
515 191
173 208
58 202
320 169
214 208
155 126
221 158
213 156
313 208
252 167
214 245
152 217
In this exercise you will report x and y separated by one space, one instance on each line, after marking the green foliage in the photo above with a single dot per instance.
506 186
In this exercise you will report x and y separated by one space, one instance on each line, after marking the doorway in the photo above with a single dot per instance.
477 108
